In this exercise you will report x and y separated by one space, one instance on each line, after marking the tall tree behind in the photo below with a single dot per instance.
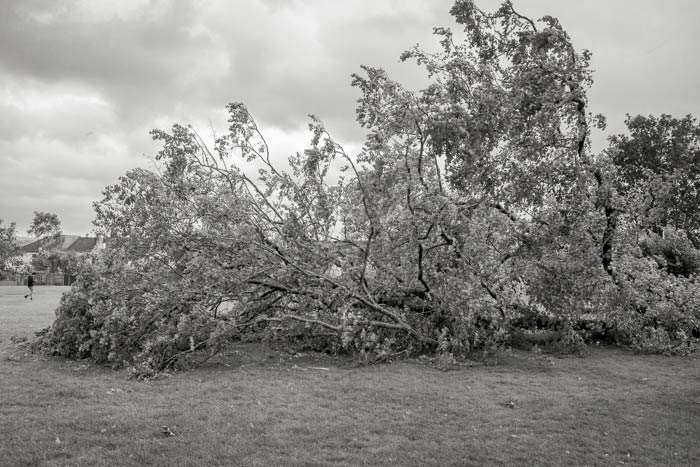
45 224
659 169
9 249
47 227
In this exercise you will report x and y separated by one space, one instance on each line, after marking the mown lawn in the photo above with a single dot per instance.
262 408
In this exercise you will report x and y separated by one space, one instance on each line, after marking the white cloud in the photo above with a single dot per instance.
42 174
60 111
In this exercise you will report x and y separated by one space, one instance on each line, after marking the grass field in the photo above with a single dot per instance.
261 408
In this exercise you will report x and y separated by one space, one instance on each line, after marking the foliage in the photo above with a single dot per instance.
474 204
9 249
118 316
659 168
658 311
47 227
657 255
55 260
45 224
672 251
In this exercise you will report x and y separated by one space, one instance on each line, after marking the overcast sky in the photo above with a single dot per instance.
83 81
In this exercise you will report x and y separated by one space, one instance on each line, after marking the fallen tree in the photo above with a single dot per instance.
474 204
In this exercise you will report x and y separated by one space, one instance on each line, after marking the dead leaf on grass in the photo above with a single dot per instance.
511 404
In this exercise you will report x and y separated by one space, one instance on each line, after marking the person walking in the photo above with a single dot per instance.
30 284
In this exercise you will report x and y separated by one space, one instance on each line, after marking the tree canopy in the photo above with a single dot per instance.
659 168
45 224
9 249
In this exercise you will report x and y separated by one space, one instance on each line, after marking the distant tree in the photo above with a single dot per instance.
658 164
54 260
9 249
45 224
47 227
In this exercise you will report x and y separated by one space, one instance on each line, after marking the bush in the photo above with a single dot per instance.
658 311
112 318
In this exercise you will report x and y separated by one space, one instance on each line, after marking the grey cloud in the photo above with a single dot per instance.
134 62
50 113
293 69
138 64
40 173
158 62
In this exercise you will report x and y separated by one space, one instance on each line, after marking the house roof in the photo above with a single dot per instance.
68 240
32 247
83 244
74 243
21 241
